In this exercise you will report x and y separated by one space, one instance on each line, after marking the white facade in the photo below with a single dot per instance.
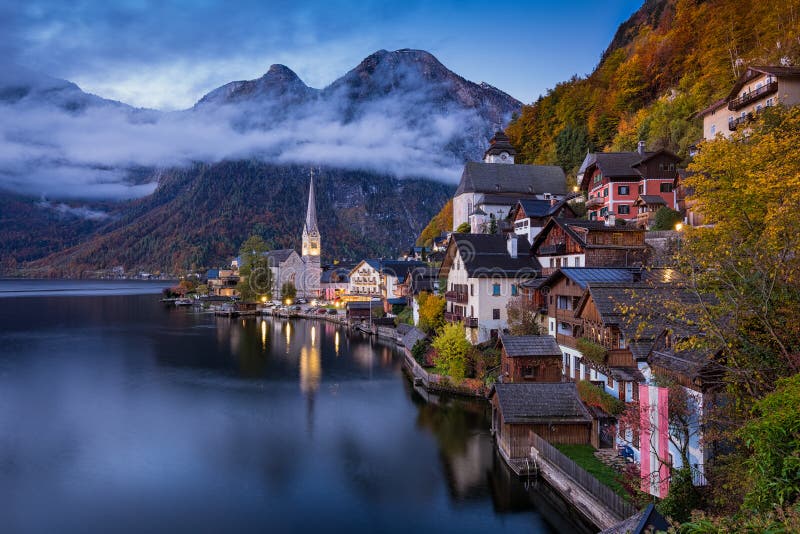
365 281
567 260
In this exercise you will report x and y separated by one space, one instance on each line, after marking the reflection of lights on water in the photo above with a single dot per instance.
336 343
313 334
310 369
288 334
263 335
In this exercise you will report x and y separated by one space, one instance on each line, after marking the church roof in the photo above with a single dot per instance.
311 213
276 257
500 143
479 177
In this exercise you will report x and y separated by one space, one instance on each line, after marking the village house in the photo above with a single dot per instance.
334 281
483 273
582 243
222 282
379 278
529 359
489 189
554 411
614 181
758 88
530 216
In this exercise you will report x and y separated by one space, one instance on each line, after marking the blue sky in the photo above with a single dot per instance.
167 54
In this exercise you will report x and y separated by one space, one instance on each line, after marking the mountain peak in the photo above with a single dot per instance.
279 83
278 71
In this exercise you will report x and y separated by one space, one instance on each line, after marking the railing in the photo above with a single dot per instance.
455 296
752 96
567 340
595 202
559 248
451 317
735 123
471 322
600 491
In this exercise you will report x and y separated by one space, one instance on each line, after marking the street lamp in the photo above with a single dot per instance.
679 227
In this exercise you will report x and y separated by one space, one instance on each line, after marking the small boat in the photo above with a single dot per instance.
183 302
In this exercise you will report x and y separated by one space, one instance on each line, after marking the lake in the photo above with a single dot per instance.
121 414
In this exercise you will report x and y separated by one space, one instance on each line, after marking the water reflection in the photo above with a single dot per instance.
121 415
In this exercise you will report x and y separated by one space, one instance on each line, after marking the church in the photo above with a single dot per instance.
304 271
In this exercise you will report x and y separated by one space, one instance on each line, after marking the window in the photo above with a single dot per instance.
598 177
576 261
624 209
513 290
641 189
770 102
552 262
666 188
472 290
713 129
605 192
576 365
624 190
496 290
564 303
496 314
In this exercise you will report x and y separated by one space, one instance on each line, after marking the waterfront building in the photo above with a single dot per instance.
529 359
484 272
380 278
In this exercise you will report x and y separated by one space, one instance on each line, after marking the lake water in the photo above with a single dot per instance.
119 414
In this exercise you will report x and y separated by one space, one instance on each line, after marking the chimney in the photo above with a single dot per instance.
640 148
611 219
511 244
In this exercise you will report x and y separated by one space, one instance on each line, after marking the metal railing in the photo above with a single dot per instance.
600 491
735 123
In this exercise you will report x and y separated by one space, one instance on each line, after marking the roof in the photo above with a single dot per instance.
643 521
713 107
530 346
481 177
541 402
574 228
397 268
411 337
618 164
487 255
364 305
626 374
759 70
279 256
212 274
335 275
583 275
500 143
311 212
651 199
540 208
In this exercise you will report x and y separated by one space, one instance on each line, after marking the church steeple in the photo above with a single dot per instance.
311 237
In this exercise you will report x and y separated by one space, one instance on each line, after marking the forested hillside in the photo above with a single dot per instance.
671 59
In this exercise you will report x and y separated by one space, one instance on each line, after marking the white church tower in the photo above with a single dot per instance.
312 246
500 149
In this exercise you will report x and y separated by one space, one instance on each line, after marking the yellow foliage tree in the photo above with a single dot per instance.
431 312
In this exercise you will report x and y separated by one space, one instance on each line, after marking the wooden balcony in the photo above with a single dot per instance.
752 96
595 202
567 341
559 248
456 296
469 322
620 358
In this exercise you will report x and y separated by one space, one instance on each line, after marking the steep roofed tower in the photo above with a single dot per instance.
312 246
500 149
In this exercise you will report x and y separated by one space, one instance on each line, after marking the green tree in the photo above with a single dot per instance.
452 349
666 219
463 228
572 144
255 275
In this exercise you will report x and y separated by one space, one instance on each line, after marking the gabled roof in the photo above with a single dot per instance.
713 107
761 70
530 346
276 257
574 227
618 164
481 177
500 143
396 268
541 403
486 255
540 208
411 337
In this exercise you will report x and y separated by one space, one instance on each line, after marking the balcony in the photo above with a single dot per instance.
469 322
548 250
735 123
752 96
455 296
595 202
567 341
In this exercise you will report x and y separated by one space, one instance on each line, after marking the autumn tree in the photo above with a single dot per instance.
452 350
431 312
522 318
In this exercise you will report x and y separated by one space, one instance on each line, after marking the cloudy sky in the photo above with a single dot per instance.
166 54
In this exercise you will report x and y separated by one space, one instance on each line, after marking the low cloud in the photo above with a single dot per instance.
82 212
64 144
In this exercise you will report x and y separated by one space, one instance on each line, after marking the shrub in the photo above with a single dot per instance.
592 351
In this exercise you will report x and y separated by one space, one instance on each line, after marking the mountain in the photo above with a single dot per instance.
669 60
198 217
390 136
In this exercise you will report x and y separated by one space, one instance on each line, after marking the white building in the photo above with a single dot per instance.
483 273
380 278
489 189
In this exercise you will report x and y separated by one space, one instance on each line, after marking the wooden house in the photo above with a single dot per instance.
530 215
530 359
554 411
582 243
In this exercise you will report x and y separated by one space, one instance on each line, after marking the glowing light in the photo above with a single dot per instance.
313 334
263 334
336 343
314 302
288 302
679 227
288 334
264 300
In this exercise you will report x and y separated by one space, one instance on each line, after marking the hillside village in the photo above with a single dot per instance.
565 307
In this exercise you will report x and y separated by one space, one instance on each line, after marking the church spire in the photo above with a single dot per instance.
311 212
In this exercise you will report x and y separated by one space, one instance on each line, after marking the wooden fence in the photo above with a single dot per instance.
600 491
